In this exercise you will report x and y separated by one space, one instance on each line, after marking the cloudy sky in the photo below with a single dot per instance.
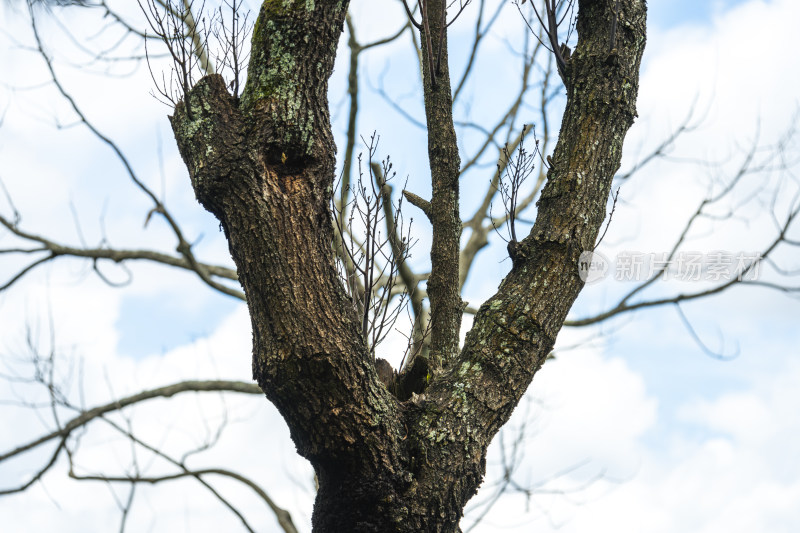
637 429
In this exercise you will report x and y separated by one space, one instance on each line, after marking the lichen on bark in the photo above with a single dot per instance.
265 166
290 63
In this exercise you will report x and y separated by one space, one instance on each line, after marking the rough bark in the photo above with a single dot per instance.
445 164
265 168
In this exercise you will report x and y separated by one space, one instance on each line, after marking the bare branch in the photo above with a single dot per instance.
160 392
283 516
419 202
55 250
183 247
374 266
551 30
513 175
480 33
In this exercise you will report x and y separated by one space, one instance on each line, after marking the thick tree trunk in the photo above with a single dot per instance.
265 167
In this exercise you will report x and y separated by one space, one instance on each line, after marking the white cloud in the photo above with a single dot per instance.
585 418
728 461
174 426
743 93
761 420
732 467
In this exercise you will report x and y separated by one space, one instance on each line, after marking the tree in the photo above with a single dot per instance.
407 456
264 166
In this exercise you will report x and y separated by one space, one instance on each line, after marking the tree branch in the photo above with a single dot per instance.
160 392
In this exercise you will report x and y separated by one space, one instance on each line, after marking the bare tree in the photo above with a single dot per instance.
325 272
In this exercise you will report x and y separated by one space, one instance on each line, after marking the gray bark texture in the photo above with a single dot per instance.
265 167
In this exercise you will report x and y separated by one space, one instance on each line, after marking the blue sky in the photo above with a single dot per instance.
666 14
153 324
696 442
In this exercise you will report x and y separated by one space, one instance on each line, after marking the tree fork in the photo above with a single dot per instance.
265 168
514 330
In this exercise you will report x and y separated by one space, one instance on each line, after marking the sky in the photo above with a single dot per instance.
632 428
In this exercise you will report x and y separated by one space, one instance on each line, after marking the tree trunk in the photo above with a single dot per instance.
265 168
